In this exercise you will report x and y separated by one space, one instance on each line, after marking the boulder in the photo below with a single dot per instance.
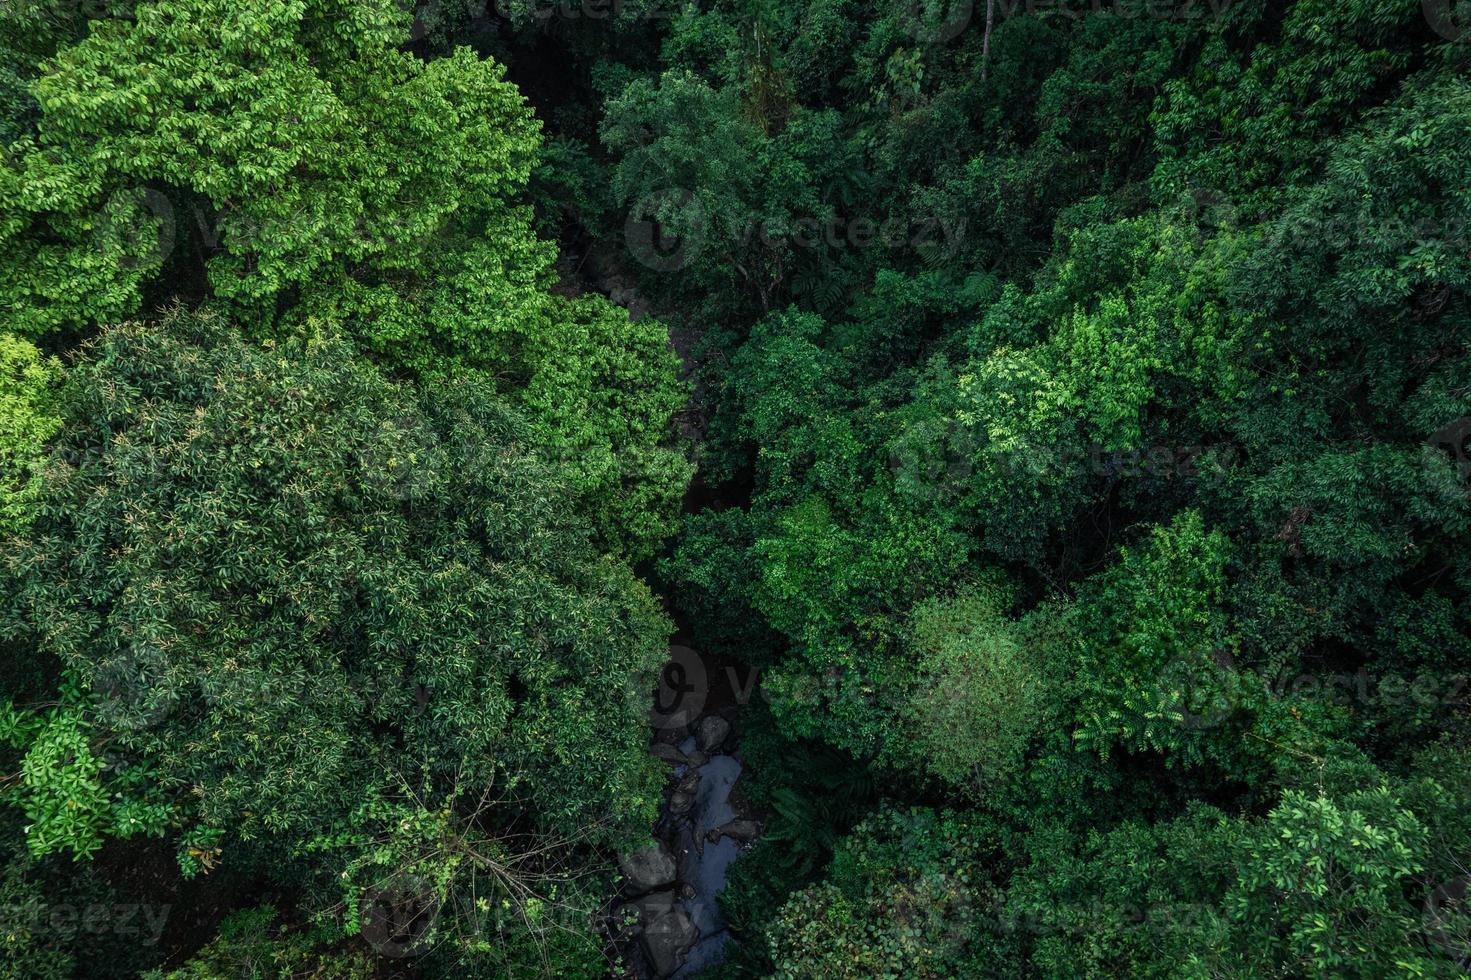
647 869
665 752
667 939
741 830
681 803
712 733
696 759
649 908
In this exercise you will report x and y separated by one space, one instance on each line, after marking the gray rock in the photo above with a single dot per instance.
712 733
665 752
689 782
667 939
681 803
696 759
647 869
741 830
651 907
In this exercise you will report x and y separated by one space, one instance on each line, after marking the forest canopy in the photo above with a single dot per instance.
1058 413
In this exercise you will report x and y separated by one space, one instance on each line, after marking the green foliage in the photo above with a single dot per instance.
1170 377
1230 125
297 154
61 918
277 610
60 784
978 696
706 576
29 416
253 945
602 393
1159 623
1323 882
901 902
1082 395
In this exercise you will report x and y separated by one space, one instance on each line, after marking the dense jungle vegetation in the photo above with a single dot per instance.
1056 412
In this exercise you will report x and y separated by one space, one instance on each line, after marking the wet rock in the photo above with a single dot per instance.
681 803
689 782
741 830
707 952
696 759
665 752
667 939
647 869
712 733
648 909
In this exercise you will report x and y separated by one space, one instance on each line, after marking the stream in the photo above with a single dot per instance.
675 927
669 923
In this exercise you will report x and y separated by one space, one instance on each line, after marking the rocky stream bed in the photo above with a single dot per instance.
672 921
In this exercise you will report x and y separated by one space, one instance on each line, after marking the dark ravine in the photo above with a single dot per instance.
670 924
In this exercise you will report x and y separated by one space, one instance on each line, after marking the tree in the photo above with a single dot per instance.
287 158
903 900
340 619
978 694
